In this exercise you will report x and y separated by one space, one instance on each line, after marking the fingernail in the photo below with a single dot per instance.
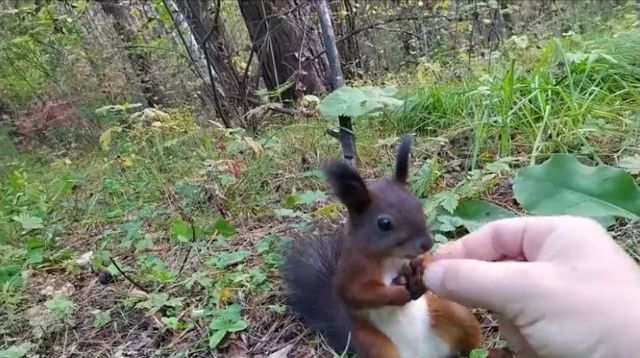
433 276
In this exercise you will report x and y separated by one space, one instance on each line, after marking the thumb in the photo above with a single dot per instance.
491 285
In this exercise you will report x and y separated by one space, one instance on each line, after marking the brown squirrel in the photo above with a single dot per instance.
363 288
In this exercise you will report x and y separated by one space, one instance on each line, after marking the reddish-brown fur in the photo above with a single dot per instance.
359 275
386 225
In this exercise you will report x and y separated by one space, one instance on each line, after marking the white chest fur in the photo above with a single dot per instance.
408 326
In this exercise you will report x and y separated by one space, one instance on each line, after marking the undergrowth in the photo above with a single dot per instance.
165 236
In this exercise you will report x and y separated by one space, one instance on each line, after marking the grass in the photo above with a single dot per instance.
165 239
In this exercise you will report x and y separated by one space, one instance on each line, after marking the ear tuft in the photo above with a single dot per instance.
402 159
348 186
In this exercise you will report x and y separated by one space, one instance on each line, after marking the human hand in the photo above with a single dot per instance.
561 286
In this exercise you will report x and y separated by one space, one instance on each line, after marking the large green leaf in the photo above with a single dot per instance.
355 102
563 185
476 213
470 214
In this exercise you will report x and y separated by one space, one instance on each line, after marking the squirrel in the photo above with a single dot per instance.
363 288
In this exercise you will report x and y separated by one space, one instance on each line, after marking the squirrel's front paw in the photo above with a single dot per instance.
416 287
403 276
410 276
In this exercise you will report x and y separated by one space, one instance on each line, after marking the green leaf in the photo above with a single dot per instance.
224 228
60 305
144 244
476 213
100 318
35 256
18 351
265 244
229 319
216 338
479 353
28 222
225 259
448 200
310 197
182 231
356 102
171 322
10 275
563 185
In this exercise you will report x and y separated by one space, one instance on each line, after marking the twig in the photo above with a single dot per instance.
115 264
374 25
188 253
186 46
187 218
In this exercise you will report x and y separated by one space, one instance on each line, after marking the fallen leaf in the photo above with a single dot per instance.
237 351
282 352
257 148
631 164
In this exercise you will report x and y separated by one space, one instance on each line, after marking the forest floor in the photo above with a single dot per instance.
162 237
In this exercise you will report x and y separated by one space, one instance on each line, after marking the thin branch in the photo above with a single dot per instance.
115 264
374 25
194 63
216 99
193 240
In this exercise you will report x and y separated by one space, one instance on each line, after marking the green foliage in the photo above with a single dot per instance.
357 102
479 353
17 351
563 185
475 213
228 320
69 212
28 222
100 318
60 306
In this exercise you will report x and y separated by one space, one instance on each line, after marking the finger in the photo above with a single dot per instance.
513 238
497 286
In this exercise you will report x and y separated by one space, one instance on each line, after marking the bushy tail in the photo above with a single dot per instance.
308 270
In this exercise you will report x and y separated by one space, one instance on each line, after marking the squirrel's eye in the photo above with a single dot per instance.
384 224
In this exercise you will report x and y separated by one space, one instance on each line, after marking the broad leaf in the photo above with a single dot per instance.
28 222
223 227
355 102
476 213
224 259
216 338
17 351
11 276
182 230
563 185
310 197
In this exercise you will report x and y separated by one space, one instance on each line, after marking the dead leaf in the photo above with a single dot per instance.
631 164
237 351
257 148
282 352
232 167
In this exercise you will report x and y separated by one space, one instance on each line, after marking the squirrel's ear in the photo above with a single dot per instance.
348 186
402 160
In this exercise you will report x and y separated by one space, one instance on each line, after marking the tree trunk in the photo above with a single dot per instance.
283 38
140 61
183 35
349 49
210 34
506 16
336 80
